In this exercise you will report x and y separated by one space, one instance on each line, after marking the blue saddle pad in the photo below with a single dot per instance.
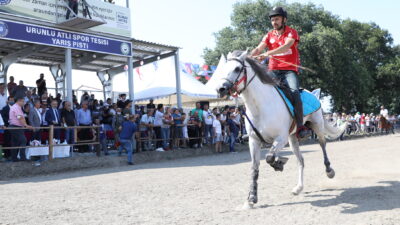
310 102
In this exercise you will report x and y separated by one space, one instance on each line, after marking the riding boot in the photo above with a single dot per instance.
302 132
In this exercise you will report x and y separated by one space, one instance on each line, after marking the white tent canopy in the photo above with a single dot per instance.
161 85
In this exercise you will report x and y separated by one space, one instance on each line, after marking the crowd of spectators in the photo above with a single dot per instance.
148 128
364 123
155 128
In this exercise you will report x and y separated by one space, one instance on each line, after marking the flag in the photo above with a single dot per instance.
208 77
138 72
196 68
155 64
213 68
188 67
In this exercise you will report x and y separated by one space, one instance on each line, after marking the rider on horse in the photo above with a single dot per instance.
284 60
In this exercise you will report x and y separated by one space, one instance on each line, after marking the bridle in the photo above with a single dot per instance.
234 90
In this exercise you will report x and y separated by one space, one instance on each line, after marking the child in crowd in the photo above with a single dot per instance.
217 133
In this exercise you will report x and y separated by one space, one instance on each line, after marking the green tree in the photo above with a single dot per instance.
354 61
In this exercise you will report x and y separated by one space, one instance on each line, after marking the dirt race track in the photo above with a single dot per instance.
210 189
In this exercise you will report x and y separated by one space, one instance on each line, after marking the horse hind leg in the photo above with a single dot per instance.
318 129
294 145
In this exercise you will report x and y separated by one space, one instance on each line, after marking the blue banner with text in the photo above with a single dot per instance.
61 38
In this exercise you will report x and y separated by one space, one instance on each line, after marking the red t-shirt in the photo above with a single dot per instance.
274 40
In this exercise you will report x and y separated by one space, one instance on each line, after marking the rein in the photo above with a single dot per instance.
238 81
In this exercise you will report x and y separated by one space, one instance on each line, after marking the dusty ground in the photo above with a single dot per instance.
207 190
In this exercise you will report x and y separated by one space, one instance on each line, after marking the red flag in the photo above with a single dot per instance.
138 72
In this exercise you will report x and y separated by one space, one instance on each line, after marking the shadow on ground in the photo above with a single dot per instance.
206 160
362 199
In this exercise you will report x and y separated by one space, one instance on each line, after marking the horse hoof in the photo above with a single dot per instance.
330 174
247 205
297 190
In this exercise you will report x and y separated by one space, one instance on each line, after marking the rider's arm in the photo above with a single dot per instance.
257 51
283 48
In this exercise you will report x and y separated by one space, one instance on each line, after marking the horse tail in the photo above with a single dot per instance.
332 132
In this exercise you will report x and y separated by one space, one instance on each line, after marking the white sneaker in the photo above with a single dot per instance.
159 150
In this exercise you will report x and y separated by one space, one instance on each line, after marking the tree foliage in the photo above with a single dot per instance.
356 62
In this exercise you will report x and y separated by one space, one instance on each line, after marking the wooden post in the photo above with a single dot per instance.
98 148
51 136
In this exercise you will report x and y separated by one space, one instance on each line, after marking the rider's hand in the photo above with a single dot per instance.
263 56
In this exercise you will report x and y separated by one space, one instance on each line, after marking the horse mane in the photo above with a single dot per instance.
258 68
261 72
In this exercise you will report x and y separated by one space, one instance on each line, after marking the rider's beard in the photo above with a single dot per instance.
280 27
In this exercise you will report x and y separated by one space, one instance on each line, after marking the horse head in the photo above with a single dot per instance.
234 78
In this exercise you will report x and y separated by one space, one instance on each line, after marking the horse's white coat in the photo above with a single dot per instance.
267 111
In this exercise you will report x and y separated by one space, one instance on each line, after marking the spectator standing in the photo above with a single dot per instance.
3 96
158 122
68 120
127 132
41 85
83 118
177 117
53 118
18 138
217 134
198 110
151 105
194 126
20 90
128 108
166 128
116 124
11 86
35 120
185 135
233 132
102 136
34 94
208 119
72 4
146 128
121 101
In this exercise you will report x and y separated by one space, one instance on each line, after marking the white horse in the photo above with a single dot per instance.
268 114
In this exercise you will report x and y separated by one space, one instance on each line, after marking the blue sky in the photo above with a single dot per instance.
190 24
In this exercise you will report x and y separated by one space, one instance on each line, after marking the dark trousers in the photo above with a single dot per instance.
194 135
74 6
36 135
7 143
159 143
84 135
18 139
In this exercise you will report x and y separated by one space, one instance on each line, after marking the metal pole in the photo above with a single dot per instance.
68 68
130 82
127 3
178 80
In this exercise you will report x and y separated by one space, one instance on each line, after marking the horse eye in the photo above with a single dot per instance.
237 69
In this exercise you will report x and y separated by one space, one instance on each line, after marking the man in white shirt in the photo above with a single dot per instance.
3 96
158 123
384 112
217 134
146 125
208 119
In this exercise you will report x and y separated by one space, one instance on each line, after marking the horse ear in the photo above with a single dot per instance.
243 55
229 55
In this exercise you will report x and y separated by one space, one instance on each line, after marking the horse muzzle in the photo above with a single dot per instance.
224 90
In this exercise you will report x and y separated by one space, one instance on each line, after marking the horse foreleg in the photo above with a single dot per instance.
294 145
255 147
273 159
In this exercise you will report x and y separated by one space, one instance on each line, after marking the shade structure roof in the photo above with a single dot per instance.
143 52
